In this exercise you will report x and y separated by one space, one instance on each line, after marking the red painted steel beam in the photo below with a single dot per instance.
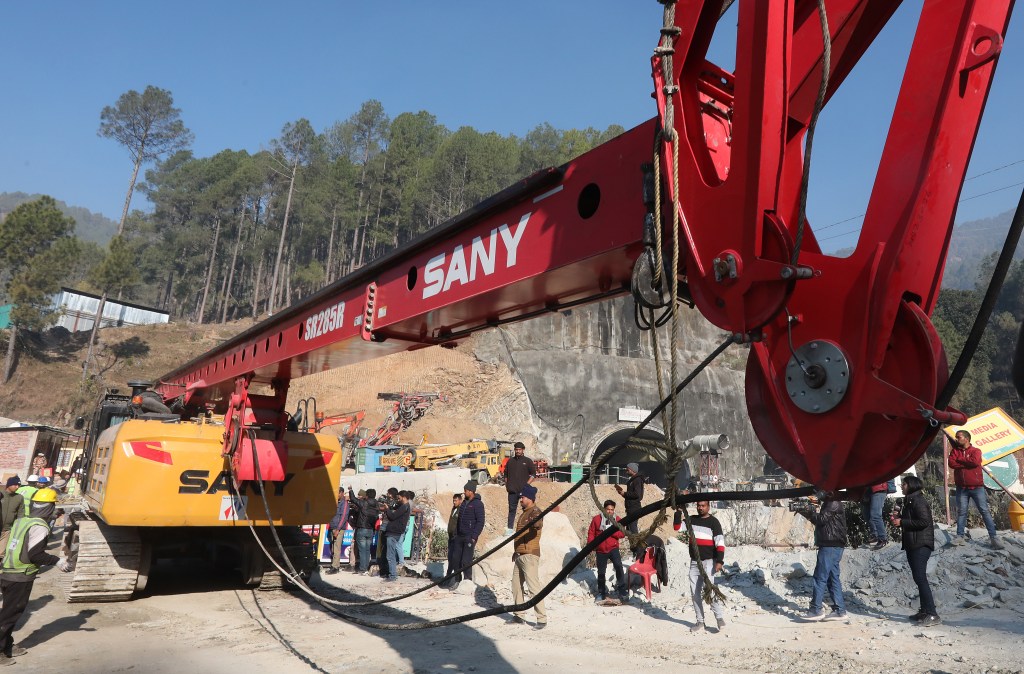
882 295
561 237
849 406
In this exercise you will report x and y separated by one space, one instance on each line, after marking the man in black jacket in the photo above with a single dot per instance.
633 496
453 533
830 537
918 542
397 518
470 526
365 523
519 472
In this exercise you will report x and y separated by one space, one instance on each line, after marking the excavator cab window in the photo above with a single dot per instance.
110 418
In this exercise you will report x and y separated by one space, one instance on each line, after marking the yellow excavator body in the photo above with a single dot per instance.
149 473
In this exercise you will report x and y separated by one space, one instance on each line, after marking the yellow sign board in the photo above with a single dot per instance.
994 432
396 459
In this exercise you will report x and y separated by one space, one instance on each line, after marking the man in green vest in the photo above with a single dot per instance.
28 490
26 552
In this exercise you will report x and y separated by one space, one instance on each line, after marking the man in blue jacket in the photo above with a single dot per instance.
471 525
336 531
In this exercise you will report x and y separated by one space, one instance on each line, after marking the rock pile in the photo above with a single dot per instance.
777 578
972 576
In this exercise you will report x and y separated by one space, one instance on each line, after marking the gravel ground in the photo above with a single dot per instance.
192 619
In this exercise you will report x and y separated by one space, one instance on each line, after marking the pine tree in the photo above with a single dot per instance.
37 251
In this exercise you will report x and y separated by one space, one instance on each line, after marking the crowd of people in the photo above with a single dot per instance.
27 512
825 510
367 515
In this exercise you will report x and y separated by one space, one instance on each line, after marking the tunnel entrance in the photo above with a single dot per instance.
649 467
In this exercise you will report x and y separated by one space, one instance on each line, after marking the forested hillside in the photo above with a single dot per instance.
89 226
970 244
987 382
313 206
238 235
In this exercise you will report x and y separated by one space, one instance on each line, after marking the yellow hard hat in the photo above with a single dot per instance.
45 496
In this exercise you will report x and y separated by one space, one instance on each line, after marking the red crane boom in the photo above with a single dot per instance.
851 401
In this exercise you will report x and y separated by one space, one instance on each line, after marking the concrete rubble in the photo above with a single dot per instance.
758 579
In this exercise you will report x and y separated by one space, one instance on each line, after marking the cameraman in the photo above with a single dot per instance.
830 537
366 521
396 513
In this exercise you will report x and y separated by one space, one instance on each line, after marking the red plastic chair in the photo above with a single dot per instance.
645 569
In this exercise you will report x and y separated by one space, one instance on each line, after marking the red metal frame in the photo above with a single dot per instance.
571 235
407 408
353 419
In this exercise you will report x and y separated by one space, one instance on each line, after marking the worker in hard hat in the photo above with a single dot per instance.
27 491
26 552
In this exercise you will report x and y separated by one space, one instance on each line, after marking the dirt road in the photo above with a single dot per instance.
193 620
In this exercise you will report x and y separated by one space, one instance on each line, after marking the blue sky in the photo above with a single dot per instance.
239 71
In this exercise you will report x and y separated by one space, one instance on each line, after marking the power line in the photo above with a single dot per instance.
962 200
999 168
991 192
985 173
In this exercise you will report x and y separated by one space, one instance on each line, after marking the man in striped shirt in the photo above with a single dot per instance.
707 549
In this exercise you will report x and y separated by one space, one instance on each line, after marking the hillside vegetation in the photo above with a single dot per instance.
89 226
47 385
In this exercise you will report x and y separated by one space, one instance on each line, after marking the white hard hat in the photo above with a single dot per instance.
33 478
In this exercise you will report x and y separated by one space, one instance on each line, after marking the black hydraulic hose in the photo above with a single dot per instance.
605 456
568 568
995 285
1017 371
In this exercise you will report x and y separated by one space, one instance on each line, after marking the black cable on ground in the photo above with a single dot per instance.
568 568
295 577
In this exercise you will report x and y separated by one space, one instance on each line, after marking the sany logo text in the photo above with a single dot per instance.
440 277
197 482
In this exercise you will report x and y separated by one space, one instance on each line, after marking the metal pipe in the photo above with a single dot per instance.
1002 486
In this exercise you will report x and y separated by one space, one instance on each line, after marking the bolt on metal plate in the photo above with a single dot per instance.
821 393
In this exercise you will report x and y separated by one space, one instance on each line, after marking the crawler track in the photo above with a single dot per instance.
107 562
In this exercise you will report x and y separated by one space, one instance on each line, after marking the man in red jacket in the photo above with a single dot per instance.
608 550
965 460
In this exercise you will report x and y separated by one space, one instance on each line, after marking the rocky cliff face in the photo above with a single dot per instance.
559 383
581 367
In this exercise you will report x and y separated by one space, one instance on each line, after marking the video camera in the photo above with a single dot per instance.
801 505
389 500
897 511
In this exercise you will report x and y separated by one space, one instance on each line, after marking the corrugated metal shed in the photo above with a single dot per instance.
78 311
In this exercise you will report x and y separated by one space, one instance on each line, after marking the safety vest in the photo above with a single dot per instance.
28 491
16 550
